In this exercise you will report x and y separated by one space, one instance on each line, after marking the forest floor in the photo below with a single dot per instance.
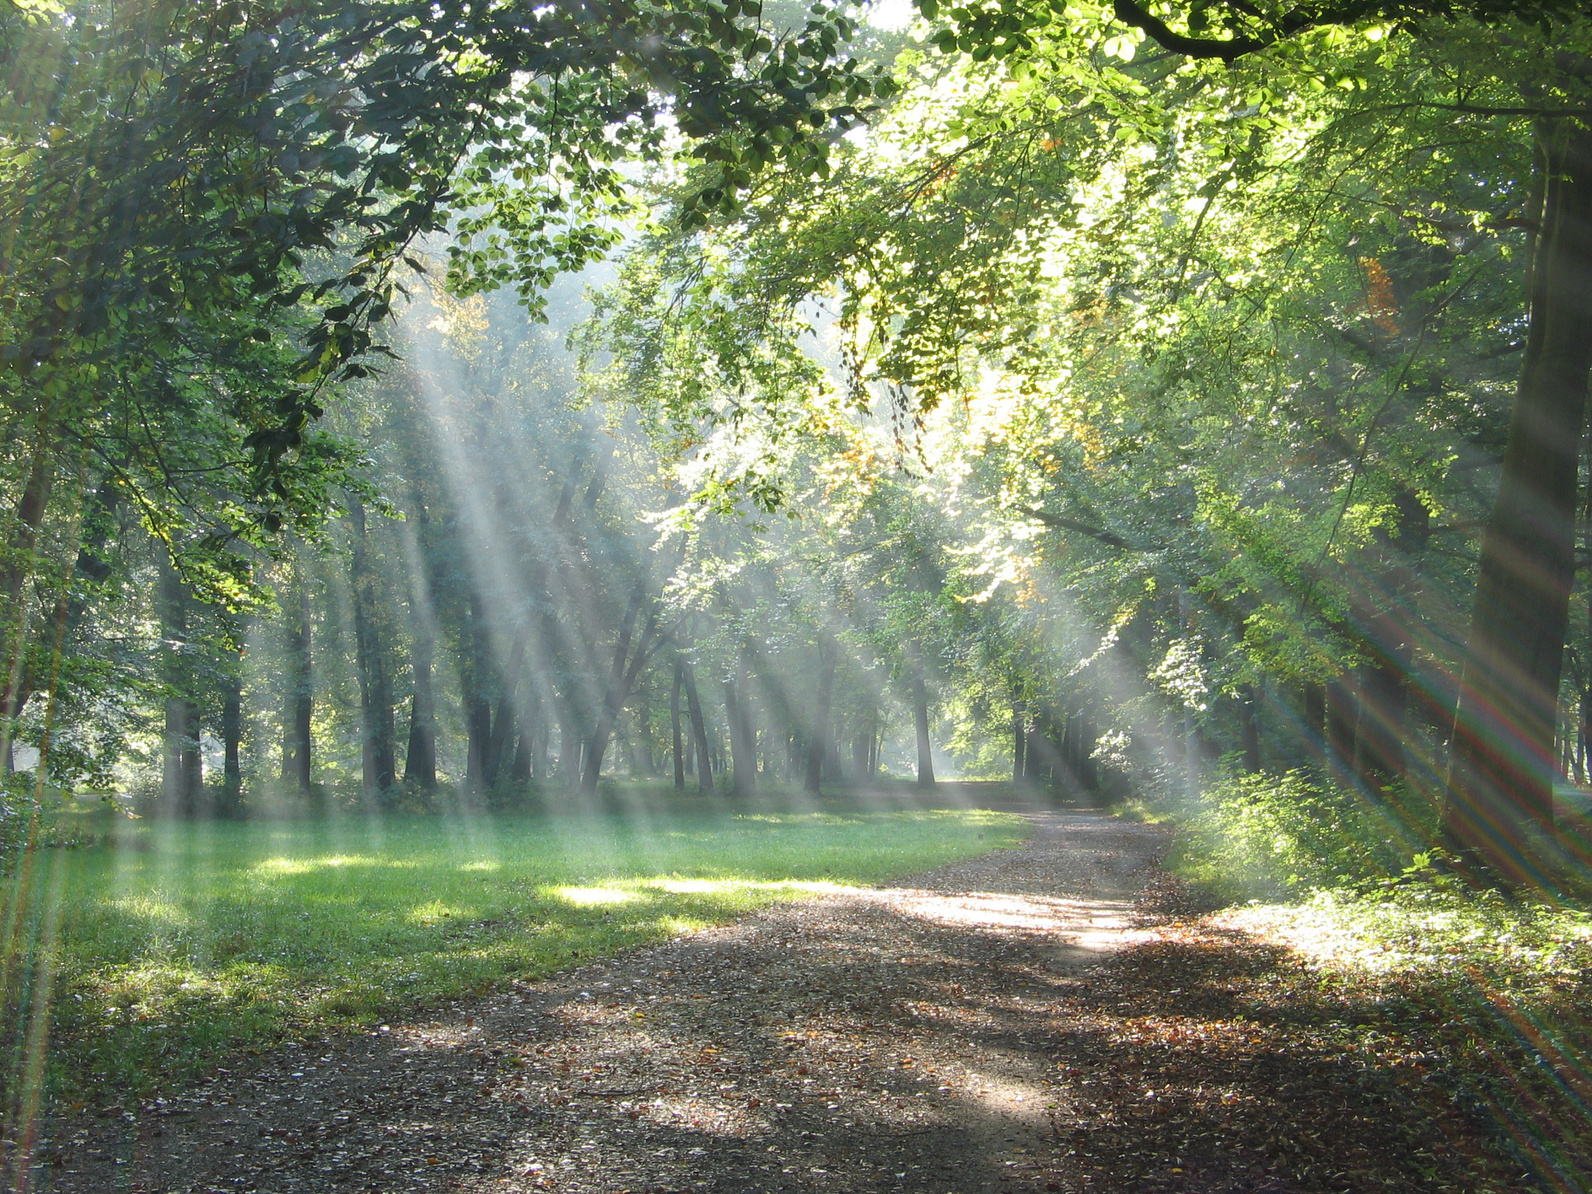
1052 1017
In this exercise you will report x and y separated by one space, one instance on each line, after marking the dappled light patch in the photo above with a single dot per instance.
156 913
280 929
1100 920
285 866
588 897
1427 929
852 1043
728 886
435 911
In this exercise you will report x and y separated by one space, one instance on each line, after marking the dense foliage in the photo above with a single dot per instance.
1115 400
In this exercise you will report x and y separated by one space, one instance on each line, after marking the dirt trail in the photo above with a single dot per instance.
904 1039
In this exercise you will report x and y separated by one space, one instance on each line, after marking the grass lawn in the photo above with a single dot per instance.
178 944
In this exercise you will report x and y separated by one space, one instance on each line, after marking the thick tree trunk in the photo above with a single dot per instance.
1502 763
1584 726
920 719
420 760
1019 743
299 716
182 775
523 765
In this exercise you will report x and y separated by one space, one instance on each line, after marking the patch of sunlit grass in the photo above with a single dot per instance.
183 943
1423 929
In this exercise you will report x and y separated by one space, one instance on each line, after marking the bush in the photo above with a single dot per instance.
1265 836
17 811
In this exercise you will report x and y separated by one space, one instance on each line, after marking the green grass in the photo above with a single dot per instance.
178 944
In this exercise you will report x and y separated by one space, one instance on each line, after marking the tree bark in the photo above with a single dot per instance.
1343 716
505 726
675 739
182 776
920 719
477 701
1313 709
699 730
622 676
298 722
818 745
378 737
1499 790
743 762
1019 742
1249 727
420 760
420 756
232 742
16 569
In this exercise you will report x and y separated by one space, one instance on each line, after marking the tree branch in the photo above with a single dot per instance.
1062 522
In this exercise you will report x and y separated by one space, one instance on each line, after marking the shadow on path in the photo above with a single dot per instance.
953 1036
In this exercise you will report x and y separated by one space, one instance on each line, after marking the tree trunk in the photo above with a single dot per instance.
920 719
1584 729
1343 716
182 776
743 762
569 745
378 745
505 726
232 745
1249 727
675 742
622 676
298 721
1502 763
420 760
420 755
1019 742
1388 626
1313 709
477 700
699 730
818 745
16 569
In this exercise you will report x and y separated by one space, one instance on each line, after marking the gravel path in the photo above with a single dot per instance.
903 1039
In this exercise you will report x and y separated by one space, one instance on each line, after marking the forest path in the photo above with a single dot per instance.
903 1039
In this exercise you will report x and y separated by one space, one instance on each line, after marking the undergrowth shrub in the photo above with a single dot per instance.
17 808
1265 836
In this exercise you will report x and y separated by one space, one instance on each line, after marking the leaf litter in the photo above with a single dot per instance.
1063 1016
